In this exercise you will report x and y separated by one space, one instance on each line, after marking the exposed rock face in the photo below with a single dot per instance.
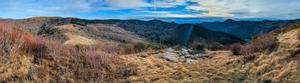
173 57
182 55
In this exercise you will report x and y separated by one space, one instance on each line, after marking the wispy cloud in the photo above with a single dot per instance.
169 3
282 9
123 4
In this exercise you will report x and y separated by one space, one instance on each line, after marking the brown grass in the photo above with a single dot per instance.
77 39
298 34
26 58
131 48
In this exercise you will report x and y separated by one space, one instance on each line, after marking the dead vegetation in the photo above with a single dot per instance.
26 58
272 61
131 48
263 64
235 48
298 34
265 43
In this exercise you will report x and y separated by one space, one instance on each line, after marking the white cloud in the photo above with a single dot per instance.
125 4
178 15
282 9
169 3
166 14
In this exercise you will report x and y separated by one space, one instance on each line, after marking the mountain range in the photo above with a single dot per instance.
57 49
217 34
247 29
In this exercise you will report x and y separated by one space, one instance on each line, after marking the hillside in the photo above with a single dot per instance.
120 31
264 66
168 33
29 58
56 49
196 36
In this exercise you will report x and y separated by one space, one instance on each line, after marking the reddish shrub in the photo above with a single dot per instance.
83 62
29 43
263 43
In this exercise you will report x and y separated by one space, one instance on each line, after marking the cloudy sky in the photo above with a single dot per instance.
130 9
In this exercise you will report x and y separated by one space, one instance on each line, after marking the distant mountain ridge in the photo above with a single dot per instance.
247 29
122 31
157 31
196 36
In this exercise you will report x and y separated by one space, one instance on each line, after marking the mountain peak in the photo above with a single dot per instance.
229 20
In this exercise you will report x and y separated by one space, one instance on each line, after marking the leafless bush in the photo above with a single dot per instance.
129 48
236 49
298 34
264 43
81 63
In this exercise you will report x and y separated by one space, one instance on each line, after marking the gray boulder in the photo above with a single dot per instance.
189 61
170 57
184 52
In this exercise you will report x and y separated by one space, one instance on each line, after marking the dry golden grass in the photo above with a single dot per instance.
154 70
289 39
278 66
26 58
77 39
70 27
220 66
14 65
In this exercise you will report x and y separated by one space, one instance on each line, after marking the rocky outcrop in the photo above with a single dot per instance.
183 55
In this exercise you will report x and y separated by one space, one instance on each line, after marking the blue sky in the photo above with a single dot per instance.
134 9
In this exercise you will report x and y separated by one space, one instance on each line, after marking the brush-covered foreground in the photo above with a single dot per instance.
280 65
28 58
65 58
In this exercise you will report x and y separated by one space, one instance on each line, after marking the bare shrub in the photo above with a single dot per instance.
236 49
263 43
210 45
140 47
298 35
133 48
129 48
103 66
56 62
